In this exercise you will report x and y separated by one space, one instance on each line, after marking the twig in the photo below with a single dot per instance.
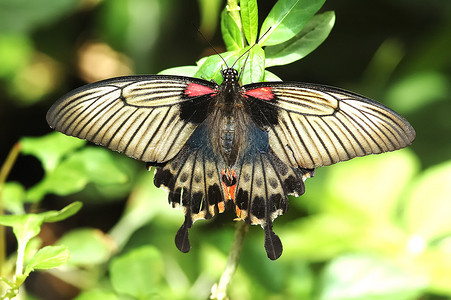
219 290
4 171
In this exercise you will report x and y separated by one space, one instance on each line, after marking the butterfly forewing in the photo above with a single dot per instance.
319 126
149 117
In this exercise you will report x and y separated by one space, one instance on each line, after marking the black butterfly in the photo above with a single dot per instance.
246 146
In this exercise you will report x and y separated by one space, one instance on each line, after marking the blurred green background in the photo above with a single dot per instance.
373 228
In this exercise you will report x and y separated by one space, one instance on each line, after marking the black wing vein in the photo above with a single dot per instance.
137 115
324 125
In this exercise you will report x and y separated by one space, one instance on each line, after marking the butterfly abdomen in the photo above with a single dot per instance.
228 139
228 128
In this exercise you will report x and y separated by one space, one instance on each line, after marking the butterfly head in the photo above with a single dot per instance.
230 83
230 75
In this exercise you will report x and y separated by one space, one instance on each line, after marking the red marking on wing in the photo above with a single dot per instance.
263 93
194 90
229 182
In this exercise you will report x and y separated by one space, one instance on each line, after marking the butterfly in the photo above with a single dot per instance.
217 146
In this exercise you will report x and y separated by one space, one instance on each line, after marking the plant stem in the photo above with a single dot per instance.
219 290
234 10
20 256
4 171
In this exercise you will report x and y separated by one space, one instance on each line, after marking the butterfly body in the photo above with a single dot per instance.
218 146
227 120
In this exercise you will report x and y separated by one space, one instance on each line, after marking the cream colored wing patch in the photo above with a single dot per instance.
137 115
319 126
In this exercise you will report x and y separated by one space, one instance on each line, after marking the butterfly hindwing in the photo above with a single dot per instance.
198 181
314 125
263 185
192 180
146 117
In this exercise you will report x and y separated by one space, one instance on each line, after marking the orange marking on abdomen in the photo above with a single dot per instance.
229 182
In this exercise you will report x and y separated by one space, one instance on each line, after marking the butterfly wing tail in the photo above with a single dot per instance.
182 237
261 193
192 181
273 245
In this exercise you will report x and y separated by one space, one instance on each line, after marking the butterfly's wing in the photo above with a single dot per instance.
192 180
146 117
262 185
198 181
159 120
315 125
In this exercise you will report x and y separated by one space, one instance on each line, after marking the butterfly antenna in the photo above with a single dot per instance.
244 53
244 65
203 36
249 50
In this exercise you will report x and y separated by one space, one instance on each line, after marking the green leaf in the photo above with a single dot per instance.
28 226
180 71
286 19
310 37
140 211
99 165
50 148
47 258
254 63
211 66
249 18
87 246
96 295
231 33
269 76
32 248
13 196
66 179
429 205
24 227
201 61
137 273
254 68
59 215
91 164
364 277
